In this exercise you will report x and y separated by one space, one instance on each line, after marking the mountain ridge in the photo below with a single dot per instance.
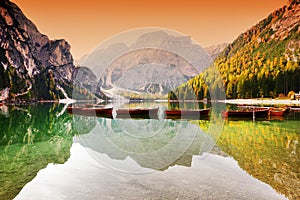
30 62
117 64
213 51
33 67
261 62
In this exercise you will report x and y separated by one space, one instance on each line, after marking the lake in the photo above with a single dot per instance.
46 151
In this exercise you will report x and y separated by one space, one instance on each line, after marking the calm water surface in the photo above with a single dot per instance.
33 136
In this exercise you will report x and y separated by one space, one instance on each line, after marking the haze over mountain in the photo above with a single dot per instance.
215 50
151 64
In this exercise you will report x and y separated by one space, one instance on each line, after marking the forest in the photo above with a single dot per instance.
261 63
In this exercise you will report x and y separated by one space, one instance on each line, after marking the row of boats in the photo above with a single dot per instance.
138 112
256 112
243 111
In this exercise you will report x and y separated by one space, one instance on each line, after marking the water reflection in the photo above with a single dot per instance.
35 135
268 150
152 144
214 177
30 138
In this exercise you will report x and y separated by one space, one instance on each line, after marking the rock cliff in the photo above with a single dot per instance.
31 65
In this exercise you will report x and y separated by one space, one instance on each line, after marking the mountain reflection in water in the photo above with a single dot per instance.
82 177
33 136
153 144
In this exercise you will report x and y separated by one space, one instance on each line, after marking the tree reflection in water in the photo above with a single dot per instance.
30 138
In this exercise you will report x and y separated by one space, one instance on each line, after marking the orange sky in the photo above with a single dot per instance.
86 23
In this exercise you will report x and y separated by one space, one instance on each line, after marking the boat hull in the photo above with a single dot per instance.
187 114
137 113
257 112
277 111
91 112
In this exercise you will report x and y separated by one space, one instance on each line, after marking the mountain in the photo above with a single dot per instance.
31 65
280 29
151 64
261 62
215 50
212 51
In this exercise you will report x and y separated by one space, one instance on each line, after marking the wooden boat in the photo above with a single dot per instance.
146 113
187 114
97 112
277 111
74 110
247 112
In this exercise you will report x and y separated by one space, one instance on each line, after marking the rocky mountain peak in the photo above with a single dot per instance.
26 54
19 36
154 62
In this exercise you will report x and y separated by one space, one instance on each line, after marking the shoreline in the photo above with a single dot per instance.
261 101
227 101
